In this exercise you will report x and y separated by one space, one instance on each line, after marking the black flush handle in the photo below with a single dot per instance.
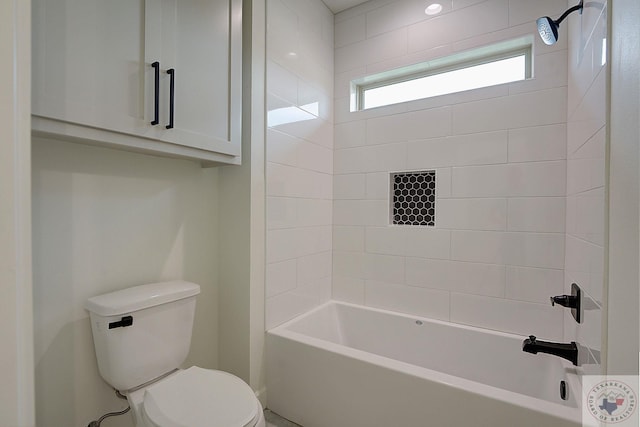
122 323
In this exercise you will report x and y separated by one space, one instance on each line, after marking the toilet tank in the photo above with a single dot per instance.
143 332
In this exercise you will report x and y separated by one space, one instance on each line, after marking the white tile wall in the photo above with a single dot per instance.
505 315
586 141
497 252
520 168
300 157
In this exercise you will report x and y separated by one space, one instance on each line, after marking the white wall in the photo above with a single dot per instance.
242 221
105 220
299 157
586 172
624 135
16 320
497 251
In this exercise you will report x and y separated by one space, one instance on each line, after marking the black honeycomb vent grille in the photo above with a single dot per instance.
414 198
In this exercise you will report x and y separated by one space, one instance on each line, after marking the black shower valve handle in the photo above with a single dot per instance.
569 301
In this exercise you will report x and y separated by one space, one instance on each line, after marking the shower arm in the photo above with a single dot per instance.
568 12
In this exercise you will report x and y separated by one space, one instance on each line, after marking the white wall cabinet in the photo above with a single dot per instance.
103 71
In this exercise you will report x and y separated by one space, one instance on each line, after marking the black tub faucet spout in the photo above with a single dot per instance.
566 351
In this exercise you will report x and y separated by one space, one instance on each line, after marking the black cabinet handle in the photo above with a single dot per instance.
156 102
172 90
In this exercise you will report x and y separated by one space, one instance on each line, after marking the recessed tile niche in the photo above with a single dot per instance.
413 198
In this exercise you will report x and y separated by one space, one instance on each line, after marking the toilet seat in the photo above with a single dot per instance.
201 397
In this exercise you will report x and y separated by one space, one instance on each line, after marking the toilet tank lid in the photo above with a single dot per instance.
140 297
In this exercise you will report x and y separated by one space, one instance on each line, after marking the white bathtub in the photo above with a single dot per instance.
343 365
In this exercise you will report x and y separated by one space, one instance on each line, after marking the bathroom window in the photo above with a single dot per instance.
413 198
487 66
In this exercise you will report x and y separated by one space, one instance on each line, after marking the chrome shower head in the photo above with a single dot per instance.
548 28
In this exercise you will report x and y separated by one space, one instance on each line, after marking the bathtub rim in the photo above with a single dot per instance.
567 413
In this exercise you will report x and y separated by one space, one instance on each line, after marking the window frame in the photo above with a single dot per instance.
479 56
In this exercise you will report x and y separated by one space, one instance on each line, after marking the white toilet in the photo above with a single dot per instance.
142 335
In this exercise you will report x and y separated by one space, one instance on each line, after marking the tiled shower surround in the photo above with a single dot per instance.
497 249
496 253
299 157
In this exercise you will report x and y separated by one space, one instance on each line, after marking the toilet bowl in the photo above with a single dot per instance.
142 336
196 397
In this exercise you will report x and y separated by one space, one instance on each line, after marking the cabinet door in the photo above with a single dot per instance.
200 40
88 62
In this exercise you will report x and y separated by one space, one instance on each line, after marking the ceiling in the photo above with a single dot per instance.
340 5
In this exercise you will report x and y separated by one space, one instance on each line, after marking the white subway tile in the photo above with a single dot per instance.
360 9
586 166
384 267
316 100
381 47
304 125
281 277
533 284
528 11
429 303
461 24
314 212
539 214
350 134
320 289
456 276
414 125
586 216
476 149
399 14
281 180
427 242
550 72
391 157
348 238
286 306
315 157
511 180
342 83
386 240
588 333
312 268
472 214
408 241
543 250
377 186
584 264
311 240
537 108
348 289
352 186
348 264
282 148
459 4
282 212
518 317
538 143
343 113
360 212
282 83
443 183
590 115
281 245
350 31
